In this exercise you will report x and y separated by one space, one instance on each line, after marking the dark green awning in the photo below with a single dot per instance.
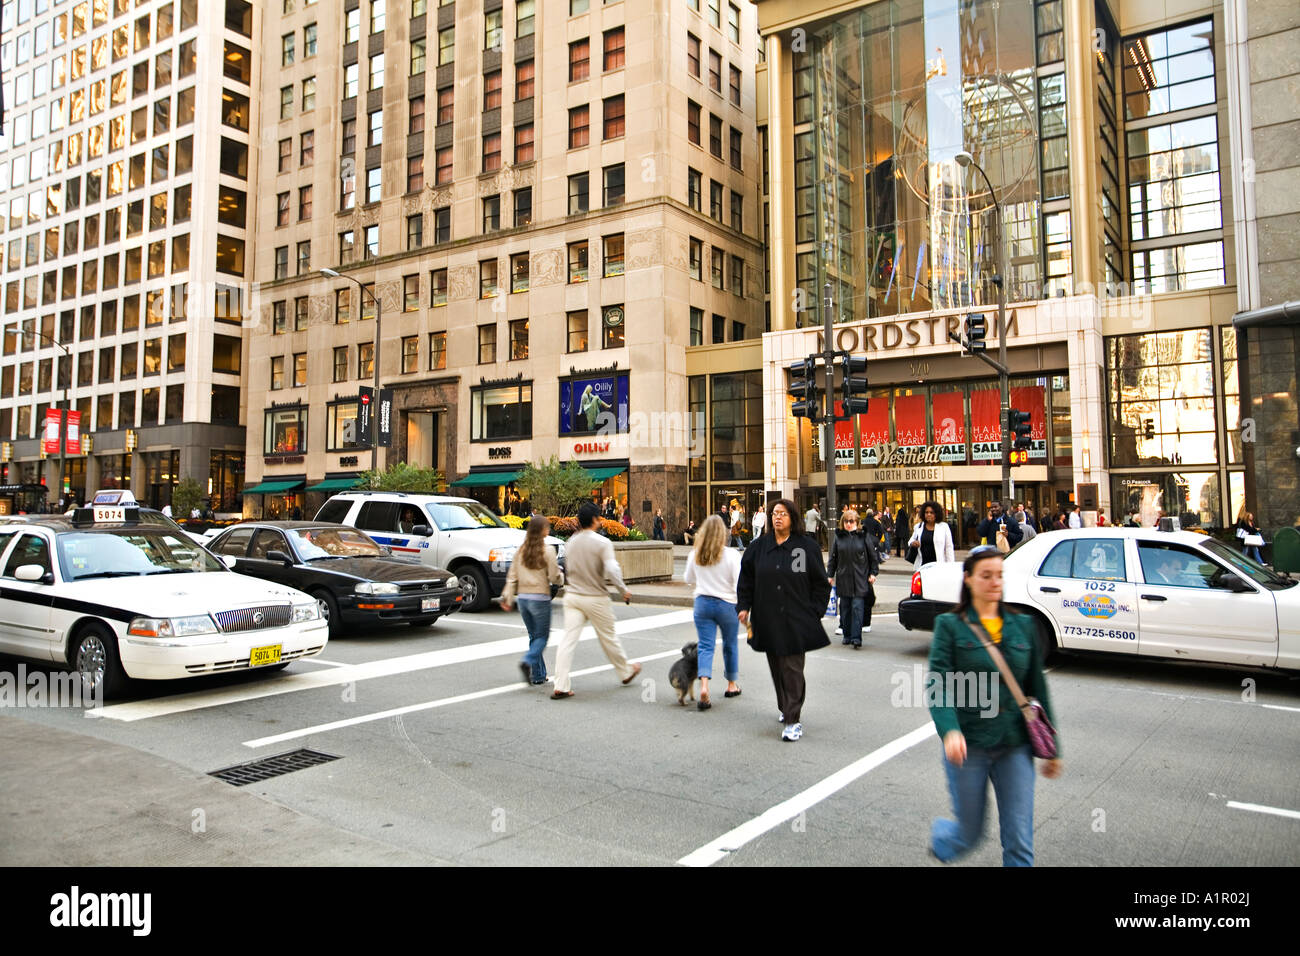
274 487
489 479
602 474
335 484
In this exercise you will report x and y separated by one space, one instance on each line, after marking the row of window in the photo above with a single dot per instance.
715 69
135 409
695 198
114 315
715 16
115 364
693 115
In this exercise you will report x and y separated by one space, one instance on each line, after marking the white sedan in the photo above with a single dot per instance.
116 598
1136 591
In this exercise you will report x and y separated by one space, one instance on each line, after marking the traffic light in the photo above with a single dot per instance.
853 387
803 389
1020 429
976 329
1018 457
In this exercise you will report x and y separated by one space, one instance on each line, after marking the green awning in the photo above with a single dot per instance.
274 487
335 484
487 479
601 474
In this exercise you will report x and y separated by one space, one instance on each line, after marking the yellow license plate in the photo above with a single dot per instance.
260 656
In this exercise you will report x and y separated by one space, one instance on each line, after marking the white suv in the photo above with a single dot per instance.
458 534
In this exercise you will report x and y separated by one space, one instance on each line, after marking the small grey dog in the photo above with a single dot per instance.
684 673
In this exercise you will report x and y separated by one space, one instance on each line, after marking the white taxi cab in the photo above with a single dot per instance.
116 598
1136 591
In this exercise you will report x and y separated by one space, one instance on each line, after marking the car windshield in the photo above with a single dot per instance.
1252 569
460 515
129 553
317 543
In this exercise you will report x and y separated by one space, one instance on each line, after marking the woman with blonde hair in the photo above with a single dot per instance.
852 568
532 574
713 568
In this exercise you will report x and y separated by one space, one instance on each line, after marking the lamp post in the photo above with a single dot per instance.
379 316
964 159
63 441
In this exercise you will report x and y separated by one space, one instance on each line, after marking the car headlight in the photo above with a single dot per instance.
376 587
502 555
453 582
171 627
306 612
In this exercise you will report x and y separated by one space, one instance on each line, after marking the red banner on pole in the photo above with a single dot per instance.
53 421
950 425
74 433
874 426
985 424
909 420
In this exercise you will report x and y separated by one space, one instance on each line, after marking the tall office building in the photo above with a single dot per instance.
550 202
124 203
1106 165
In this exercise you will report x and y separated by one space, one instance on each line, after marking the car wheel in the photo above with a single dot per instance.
94 656
474 585
1046 641
329 610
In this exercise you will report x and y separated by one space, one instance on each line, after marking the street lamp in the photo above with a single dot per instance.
964 160
379 317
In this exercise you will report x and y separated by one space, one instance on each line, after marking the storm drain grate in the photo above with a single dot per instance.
256 771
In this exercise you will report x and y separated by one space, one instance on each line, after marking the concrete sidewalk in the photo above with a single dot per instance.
94 789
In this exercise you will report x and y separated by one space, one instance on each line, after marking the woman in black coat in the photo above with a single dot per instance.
852 568
783 584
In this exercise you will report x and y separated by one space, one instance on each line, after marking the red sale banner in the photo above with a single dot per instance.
74 433
985 427
53 419
874 427
1031 399
950 425
909 420
843 439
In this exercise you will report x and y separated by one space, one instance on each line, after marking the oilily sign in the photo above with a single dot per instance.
591 446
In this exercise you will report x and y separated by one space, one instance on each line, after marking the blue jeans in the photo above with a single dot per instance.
1012 771
1252 551
537 618
852 611
712 613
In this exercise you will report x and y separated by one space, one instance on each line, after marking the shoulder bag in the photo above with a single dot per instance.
1042 735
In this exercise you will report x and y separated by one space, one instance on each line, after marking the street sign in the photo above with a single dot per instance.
386 417
365 411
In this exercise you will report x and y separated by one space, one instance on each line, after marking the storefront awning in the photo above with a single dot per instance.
602 474
335 484
486 479
274 487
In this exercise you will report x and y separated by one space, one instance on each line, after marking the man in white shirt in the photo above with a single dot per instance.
759 521
1076 519
812 524
589 562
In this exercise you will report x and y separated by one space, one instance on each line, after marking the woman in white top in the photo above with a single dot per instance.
932 537
714 569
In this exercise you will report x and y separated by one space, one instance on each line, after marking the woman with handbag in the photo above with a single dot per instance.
532 578
852 568
932 538
1250 537
985 740
713 568
783 585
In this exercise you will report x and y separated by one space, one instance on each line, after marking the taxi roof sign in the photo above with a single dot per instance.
123 497
105 514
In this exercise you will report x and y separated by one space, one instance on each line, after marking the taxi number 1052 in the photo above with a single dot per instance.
1099 585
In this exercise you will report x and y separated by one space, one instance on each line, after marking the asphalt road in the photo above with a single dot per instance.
445 756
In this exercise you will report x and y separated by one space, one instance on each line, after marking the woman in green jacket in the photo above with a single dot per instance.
985 738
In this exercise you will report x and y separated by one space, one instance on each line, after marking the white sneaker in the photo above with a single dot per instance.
839 630
780 718
792 732
867 629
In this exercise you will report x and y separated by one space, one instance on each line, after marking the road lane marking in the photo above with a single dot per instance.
733 840
1280 707
198 700
317 660
431 704
1257 808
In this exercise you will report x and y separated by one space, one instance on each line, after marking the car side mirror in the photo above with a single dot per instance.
228 560
386 549
34 573
422 529
279 556
1228 581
